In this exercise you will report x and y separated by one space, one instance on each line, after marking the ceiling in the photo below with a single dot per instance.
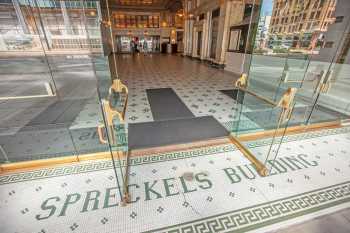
172 5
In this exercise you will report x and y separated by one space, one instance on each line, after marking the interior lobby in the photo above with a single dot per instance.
174 116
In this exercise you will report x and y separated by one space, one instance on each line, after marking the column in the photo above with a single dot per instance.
206 36
188 37
223 35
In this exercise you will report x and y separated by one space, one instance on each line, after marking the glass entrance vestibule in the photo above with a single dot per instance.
71 104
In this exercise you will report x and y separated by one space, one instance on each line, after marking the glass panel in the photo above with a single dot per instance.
294 65
312 78
330 63
251 99
46 47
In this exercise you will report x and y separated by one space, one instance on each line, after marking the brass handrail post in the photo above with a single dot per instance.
286 105
241 84
259 166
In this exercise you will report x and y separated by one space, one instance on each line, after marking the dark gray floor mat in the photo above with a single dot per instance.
167 105
171 132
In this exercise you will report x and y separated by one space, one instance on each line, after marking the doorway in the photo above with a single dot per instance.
199 43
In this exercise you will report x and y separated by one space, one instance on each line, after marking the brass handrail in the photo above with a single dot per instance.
111 113
260 97
242 84
286 103
119 87
260 167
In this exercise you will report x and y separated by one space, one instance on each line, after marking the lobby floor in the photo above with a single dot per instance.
310 179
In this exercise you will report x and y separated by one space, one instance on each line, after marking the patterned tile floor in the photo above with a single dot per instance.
196 84
310 178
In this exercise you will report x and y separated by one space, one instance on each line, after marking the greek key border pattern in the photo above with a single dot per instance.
265 214
156 158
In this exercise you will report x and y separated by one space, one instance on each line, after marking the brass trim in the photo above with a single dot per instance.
36 164
260 167
51 162
43 163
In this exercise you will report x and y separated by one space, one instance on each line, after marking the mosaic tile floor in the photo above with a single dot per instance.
196 84
310 177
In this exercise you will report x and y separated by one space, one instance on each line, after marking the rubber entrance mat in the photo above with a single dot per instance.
174 123
171 132
167 105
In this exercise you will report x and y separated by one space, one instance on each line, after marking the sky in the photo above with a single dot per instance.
266 8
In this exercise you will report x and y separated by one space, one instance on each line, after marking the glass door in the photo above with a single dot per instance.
114 100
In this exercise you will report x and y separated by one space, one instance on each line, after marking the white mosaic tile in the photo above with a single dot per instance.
312 173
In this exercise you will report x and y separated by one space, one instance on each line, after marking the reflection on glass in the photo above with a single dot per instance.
48 88
297 44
